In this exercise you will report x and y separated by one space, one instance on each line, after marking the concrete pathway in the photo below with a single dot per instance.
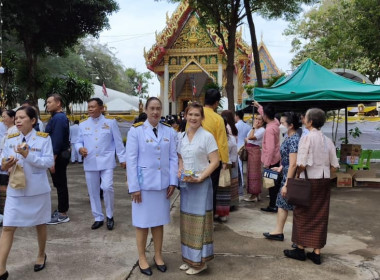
76 252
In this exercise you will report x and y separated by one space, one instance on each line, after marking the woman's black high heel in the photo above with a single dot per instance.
4 276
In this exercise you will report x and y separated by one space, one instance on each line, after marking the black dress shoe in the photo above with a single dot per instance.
316 258
146 271
110 223
160 267
4 276
97 224
277 237
297 254
38 267
269 209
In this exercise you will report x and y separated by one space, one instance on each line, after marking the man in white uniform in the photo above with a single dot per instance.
243 129
74 135
99 138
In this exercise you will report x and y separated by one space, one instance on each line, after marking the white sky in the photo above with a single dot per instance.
134 26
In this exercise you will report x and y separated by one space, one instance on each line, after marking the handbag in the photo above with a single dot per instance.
299 191
17 177
269 178
224 178
243 153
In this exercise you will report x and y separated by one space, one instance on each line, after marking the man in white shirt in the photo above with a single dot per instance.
74 136
243 130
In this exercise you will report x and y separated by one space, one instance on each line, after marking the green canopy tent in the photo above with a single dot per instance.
312 85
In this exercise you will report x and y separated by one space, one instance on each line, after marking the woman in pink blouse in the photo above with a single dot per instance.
316 156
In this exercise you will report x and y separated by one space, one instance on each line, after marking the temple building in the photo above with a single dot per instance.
188 56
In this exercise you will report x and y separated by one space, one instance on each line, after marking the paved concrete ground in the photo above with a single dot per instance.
76 252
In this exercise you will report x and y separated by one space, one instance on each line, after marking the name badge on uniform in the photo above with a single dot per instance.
87 128
166 139
105 126
35 150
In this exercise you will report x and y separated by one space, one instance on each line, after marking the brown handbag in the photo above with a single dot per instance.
299 191
17 177
243 153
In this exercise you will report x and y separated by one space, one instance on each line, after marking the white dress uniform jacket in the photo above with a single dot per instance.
39 159
152 162
101 137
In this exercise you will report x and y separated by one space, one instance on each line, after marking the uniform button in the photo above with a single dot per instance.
159 168
96 147
158 148
96 155
96 138
158 158
96 130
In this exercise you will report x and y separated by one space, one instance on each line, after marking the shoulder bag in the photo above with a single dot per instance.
243 153
299 191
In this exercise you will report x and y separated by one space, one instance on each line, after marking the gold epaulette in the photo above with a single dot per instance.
82 120
164 123
42 134
13 135
109 117
137 124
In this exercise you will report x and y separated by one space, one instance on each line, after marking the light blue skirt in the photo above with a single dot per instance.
153 211
197 223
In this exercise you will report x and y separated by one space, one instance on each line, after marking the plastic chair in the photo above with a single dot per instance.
365 155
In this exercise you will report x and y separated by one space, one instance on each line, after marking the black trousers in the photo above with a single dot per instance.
215 182
60 182
274 190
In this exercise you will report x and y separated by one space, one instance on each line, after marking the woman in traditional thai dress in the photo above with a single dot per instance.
253 145
198 158
224 194
316 155
232 132
288 150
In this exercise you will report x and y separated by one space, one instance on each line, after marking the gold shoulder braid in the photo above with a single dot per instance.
164 123
42 134
137 124
13 135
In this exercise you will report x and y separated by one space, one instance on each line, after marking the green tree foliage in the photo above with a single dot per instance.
71 88
136 78
340 33
49 26
269 9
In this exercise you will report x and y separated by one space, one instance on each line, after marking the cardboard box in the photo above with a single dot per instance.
344 179
348 150
352 160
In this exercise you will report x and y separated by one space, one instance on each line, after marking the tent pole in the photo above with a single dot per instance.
346 124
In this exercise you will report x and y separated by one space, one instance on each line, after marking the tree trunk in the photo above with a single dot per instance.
230 69
31 59
255 50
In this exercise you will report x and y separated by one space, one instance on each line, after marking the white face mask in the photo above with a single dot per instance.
283 129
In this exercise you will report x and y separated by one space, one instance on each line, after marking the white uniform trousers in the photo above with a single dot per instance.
75 155
94 185
241 185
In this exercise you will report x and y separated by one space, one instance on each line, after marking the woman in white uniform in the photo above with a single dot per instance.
31 205
152 166
9 121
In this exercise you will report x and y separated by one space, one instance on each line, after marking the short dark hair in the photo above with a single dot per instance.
10 113
269 111
316 116
212 96
57 97
240 114
76 122
97 100
30 112
152 99
292 119
195 105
